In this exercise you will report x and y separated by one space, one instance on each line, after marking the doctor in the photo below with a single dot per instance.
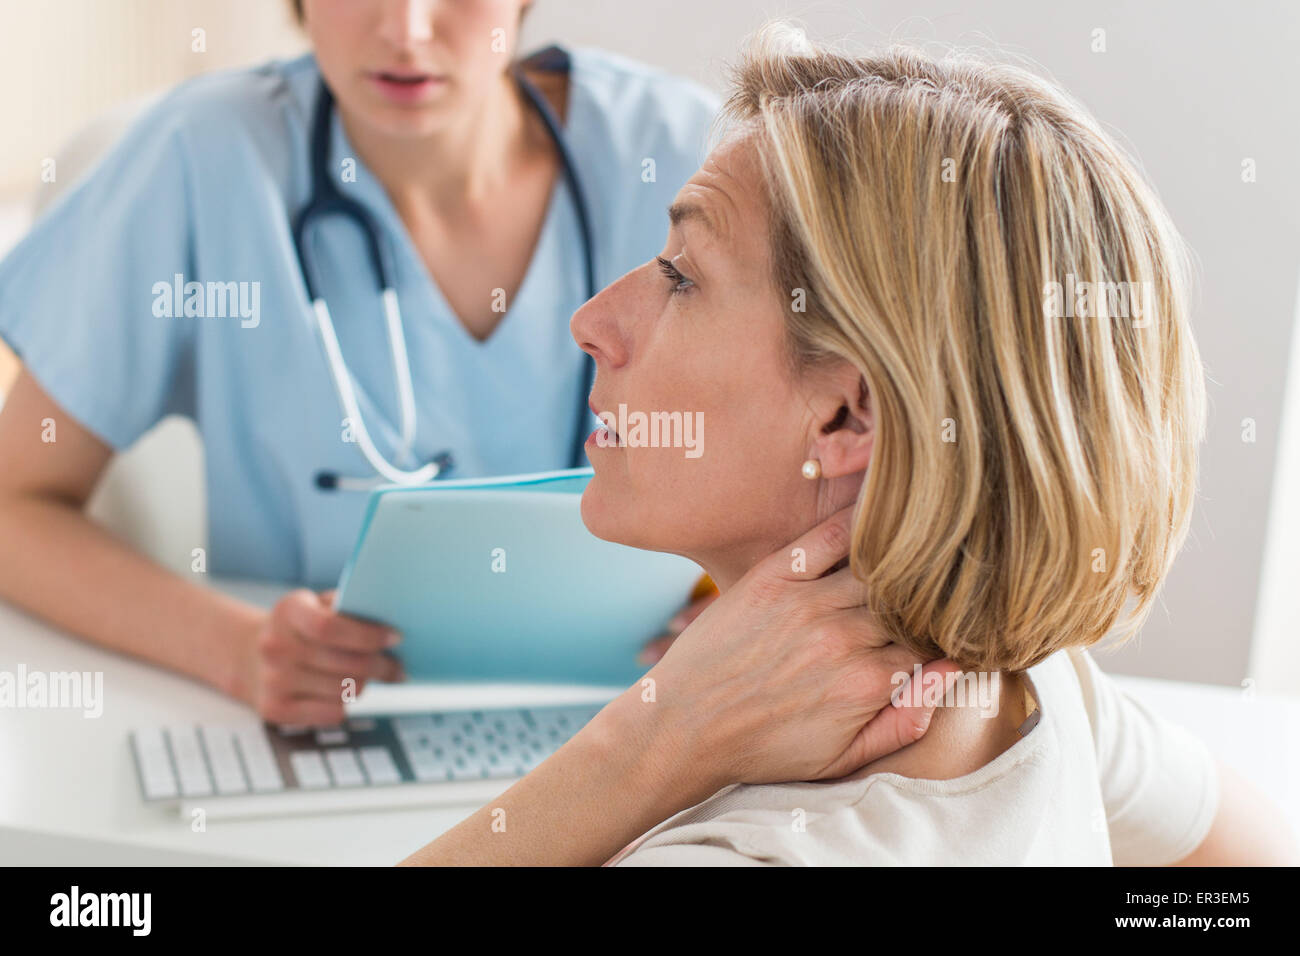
353 266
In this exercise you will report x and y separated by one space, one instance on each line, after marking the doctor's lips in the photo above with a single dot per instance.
406 86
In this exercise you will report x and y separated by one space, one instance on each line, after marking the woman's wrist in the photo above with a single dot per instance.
624 773
672 757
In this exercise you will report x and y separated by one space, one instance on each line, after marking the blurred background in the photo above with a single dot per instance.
1198 95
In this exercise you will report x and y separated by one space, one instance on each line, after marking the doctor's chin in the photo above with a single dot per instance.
356 509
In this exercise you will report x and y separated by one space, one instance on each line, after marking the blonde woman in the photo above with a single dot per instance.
858 294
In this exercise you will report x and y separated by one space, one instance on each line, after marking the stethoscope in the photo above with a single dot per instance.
326 199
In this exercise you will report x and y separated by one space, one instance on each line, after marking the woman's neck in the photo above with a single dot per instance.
728 564
964 734
471 156
967 731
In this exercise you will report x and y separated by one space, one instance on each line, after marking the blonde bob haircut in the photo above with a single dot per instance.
1016 299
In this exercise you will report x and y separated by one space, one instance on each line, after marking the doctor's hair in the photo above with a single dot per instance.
1033 475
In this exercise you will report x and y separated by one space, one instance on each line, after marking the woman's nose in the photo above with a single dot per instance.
601 326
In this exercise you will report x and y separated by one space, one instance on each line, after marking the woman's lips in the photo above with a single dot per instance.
611 439
406 87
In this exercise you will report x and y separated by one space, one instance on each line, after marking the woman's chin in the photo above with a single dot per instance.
598 514
615 520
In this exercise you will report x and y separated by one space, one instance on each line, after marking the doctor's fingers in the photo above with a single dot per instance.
303 711
305 682
341 664
309 616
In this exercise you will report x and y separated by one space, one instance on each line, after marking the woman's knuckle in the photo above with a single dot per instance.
834 638
836 537
767 592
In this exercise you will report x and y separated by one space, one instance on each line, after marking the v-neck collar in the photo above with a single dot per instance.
373 195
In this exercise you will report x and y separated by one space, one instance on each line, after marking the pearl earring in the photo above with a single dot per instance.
812 469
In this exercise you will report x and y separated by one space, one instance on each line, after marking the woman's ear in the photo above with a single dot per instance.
846 429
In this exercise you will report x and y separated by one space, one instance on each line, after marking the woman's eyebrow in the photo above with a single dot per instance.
680 212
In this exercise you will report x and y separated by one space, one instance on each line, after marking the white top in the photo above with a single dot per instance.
1100 779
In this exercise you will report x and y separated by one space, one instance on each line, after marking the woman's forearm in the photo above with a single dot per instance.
618 777
1248 829
59 565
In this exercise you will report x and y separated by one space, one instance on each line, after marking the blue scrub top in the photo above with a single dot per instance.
206 187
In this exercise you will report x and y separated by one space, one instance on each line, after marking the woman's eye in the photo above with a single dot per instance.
670 272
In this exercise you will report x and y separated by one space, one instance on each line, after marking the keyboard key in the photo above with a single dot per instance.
331 736
190 765
259 761
428 768
421 741
462 769
344 768
510 723
379 766
412 724
309 769
219 742
155 765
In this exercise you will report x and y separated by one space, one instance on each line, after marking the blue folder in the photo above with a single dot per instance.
498 579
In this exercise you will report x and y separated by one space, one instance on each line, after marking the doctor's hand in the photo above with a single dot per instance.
302 656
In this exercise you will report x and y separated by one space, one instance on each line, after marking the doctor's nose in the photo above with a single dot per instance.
405 23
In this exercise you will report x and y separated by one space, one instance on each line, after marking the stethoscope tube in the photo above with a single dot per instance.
326 199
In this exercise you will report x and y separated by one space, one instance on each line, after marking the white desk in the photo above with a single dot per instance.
68 791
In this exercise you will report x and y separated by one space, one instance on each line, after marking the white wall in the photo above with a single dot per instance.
1275 654
1192 89
64 61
